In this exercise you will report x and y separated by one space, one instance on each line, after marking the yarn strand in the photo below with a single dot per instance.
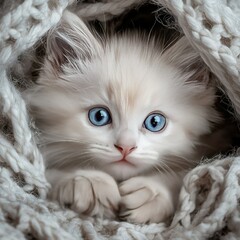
210 196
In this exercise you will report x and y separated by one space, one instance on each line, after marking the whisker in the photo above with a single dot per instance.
157 169
99 147
69 163
167 168
146 154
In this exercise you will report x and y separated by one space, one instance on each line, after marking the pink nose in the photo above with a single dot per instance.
125 150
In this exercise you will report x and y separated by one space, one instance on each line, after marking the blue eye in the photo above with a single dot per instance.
155 122
99 116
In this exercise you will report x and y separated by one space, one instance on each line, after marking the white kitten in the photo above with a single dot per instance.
121 119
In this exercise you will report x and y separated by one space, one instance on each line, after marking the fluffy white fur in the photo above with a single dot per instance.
132 76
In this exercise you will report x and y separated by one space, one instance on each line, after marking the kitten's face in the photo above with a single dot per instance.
125 110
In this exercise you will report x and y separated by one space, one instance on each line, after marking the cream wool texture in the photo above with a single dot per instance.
213 28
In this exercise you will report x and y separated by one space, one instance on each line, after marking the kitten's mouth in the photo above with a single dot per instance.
125 162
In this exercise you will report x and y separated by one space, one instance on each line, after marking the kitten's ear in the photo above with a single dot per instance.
71 39
184 57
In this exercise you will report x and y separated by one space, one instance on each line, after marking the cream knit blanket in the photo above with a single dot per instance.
209 201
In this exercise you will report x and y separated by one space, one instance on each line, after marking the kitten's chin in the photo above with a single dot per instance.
122 170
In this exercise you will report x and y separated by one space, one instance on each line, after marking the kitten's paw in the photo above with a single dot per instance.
91 193
145 201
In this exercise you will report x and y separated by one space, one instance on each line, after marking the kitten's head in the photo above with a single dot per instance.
123 104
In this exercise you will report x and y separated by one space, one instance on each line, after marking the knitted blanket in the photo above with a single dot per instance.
209 199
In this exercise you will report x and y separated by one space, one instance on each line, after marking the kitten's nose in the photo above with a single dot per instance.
125 150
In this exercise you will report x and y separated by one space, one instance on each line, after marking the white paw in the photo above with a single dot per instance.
145 201
91 193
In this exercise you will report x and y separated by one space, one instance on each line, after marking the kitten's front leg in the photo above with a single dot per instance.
88 192
149 199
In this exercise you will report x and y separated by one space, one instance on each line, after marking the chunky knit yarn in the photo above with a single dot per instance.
209 199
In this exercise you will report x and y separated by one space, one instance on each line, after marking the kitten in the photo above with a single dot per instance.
121 120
